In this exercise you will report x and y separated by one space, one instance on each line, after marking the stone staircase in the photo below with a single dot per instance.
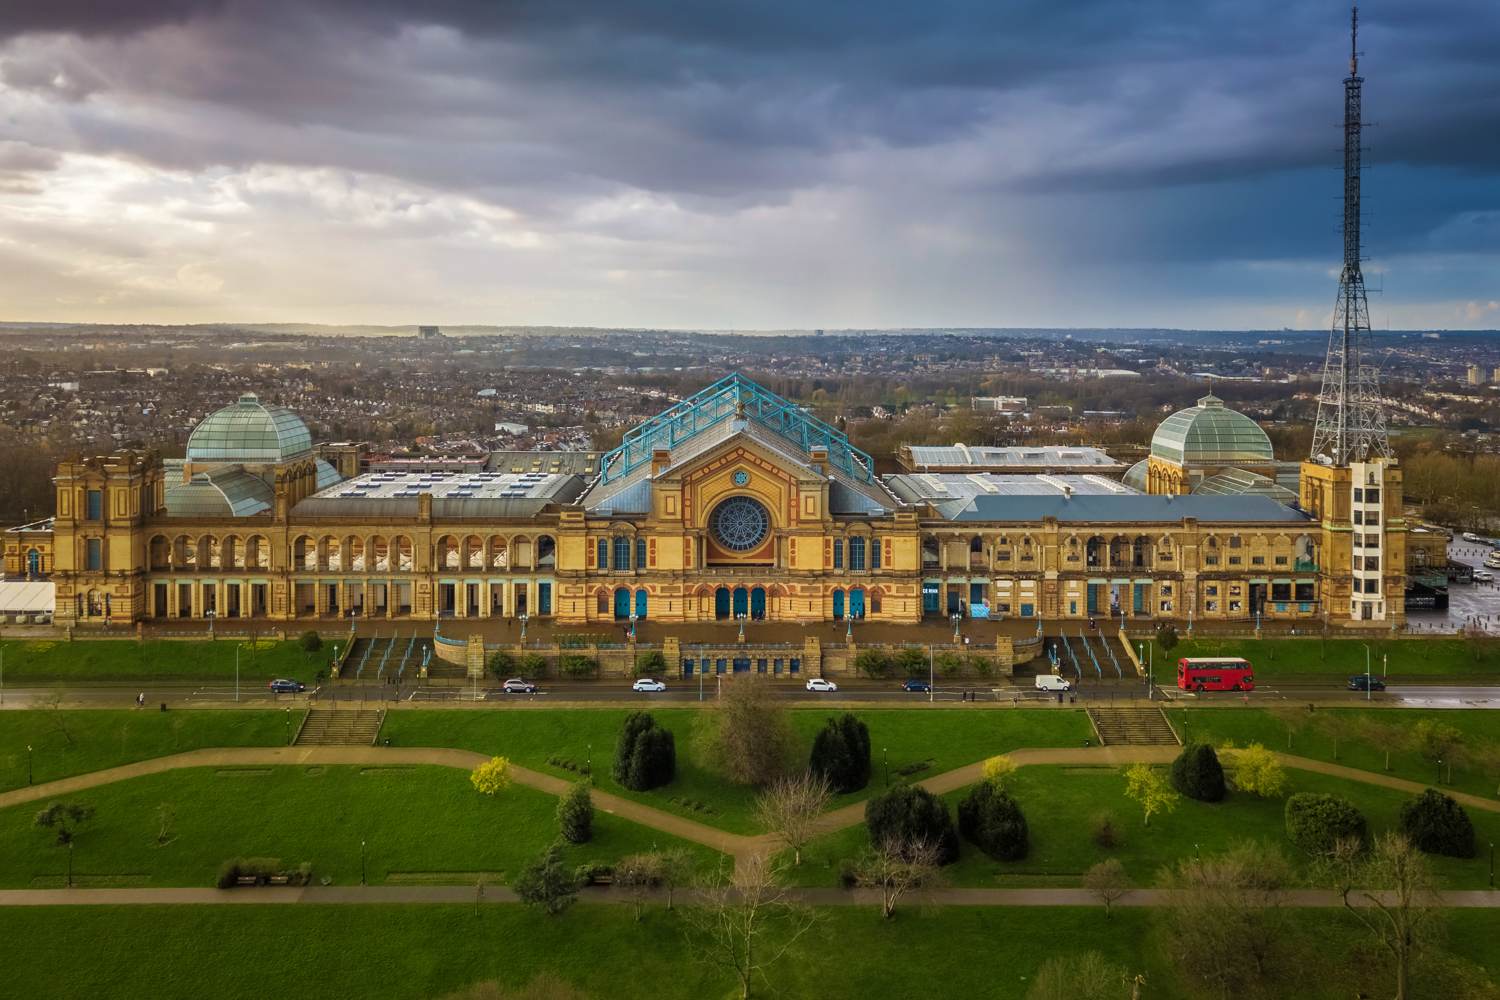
339 727
1132 727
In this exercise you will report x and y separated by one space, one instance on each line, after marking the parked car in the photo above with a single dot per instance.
648 684
1359 681
1483 576
517 685
283 686
1492 561
819 684
914 684
1469 536
1052 682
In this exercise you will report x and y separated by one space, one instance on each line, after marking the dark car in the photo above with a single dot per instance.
912 684
1363 682
283 686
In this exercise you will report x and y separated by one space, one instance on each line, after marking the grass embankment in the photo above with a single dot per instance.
1378 740
1321 661
123 660
921 744
419 824
1061 804
69 742
423 952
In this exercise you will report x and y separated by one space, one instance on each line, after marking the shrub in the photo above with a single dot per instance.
873 663
310 641
575 815
992 821
650 664
502 664
1166 638
948 664
593 873
645 756
908 814
579 665
260 869
1435 823
1316 821
999 771
533 665
492 777
841 753
1255 771
1106 834
911 661
1198 774
982 666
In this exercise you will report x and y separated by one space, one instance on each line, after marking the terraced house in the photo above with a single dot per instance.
734 502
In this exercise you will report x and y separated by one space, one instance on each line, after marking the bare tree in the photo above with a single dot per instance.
676 868
1396 881
1295 717
898 867
752 739
790 808
637 875
1108 883
58 715
746 921
1224 918
1085 976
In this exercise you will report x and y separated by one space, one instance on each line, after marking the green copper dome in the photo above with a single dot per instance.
1211 434
251 433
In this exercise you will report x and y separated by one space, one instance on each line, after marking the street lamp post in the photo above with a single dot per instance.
289 725
742 616
885 764
70 863
1367 671
1440 771
632 624
929 674
590 763
361 862
1492 864
523 628
28 763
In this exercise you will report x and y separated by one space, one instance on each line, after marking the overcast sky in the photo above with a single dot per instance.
742 163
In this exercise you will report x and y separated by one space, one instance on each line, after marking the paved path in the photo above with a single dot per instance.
738 846
435 894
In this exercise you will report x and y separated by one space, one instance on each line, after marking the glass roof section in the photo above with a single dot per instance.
248 431
1211 434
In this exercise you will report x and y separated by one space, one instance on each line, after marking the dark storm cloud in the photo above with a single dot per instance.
1139 133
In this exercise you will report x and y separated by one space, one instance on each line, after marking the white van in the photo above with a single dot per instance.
1052 682
1469 536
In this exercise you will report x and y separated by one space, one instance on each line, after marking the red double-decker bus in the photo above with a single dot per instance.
1215 673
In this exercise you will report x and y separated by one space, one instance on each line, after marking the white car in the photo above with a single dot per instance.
1483 576
1469 536
819 684
648 684
1492 561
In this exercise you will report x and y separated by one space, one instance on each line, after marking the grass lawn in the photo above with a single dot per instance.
1060 802
420 824
108 738
158 659
932 741
424 952
1316 659
1372 739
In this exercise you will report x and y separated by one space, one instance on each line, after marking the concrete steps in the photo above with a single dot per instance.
340 727
1132 727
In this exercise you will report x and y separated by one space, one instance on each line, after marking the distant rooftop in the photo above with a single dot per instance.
949 486
470 494
982 457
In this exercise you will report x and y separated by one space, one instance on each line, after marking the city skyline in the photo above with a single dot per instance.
740 166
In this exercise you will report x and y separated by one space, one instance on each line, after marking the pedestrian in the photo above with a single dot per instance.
140 700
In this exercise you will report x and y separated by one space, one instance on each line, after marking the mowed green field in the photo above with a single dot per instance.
922 743
419 952
1061 804
159 659
70 742
1314 659
1379 739
419 824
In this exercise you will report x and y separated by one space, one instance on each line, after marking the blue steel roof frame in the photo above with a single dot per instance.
723 401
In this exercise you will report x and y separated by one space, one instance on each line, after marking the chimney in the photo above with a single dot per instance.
661 458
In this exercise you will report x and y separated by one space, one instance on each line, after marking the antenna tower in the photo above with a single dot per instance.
1351 421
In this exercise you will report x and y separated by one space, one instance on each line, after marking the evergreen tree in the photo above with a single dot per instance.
841 753
993 822
575 814
1198 774
907 816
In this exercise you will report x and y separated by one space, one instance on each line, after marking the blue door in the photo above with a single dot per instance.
857 603
1094 598
622 603
838 605
687 668
758 603
33 563
741 601
640 604
953 601
544 598
721 602
742 665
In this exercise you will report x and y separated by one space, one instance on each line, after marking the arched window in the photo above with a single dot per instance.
856 553
622 552
874 553
930 548
976 544
601 556
838 553
546 552
640 557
